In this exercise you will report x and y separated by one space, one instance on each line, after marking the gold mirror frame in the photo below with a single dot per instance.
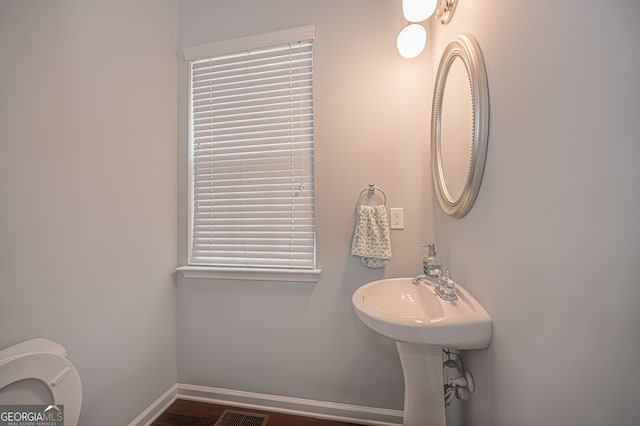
465 48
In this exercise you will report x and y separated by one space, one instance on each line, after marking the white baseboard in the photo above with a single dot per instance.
289 405
274 403
156 408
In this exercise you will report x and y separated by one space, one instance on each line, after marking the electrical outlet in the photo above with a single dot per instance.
397 218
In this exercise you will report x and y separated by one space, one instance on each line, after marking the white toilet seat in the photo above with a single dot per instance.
46 361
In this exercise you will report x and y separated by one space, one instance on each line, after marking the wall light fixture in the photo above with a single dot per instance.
413 38
418 10
445 10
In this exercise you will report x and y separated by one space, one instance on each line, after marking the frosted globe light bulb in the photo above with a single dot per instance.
411 40
418 10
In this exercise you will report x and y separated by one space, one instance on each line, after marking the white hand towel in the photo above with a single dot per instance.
371 239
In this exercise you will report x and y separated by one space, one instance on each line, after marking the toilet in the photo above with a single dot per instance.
40 363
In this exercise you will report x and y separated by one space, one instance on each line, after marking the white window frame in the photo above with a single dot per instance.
242 273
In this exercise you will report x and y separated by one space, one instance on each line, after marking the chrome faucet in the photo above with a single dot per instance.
445 287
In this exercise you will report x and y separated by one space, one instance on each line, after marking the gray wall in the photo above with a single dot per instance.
371 110
88 192
551 247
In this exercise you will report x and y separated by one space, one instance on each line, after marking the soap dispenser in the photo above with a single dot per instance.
431 264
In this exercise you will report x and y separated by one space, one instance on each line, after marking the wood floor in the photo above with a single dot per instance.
191 413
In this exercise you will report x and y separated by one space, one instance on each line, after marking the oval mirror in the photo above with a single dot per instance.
459 126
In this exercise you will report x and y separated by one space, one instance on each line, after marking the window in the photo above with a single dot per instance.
251 152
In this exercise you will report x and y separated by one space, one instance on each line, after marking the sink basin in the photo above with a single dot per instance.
410 313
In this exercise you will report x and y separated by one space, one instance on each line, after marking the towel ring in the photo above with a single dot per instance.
370 190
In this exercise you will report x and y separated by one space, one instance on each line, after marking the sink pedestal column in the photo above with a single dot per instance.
423 384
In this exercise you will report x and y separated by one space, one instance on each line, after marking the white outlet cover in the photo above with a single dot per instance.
397 218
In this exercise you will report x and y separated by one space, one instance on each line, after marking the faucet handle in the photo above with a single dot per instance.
446 288
448 282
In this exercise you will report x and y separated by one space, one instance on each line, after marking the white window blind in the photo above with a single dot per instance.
252 186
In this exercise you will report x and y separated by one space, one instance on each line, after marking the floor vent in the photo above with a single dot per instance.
241 418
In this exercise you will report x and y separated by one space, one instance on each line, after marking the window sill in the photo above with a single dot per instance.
251 274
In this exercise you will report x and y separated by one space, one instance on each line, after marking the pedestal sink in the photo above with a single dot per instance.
422 324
